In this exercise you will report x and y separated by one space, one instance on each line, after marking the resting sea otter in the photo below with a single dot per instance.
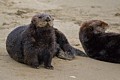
99 44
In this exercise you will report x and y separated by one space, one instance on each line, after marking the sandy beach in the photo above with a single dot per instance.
68 14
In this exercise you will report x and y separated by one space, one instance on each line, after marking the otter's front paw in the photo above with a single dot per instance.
35 65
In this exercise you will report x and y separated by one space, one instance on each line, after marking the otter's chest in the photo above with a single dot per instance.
45 37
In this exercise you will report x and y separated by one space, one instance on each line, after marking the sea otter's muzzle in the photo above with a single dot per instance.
48 19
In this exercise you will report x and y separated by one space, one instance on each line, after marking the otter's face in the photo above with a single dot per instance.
95 26
42 20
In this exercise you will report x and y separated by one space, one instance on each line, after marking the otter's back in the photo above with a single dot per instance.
14 44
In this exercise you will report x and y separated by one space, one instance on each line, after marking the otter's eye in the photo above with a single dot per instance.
91 29
40 17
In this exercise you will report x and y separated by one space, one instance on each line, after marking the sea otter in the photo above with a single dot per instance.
97 43
39 42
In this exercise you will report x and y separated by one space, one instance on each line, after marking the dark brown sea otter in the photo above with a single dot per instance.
99 44
38 42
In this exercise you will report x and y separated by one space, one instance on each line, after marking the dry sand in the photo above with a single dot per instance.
68 14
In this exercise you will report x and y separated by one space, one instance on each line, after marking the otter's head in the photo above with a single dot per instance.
94 26
42 20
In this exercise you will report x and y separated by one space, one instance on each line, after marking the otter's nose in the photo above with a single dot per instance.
47 19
